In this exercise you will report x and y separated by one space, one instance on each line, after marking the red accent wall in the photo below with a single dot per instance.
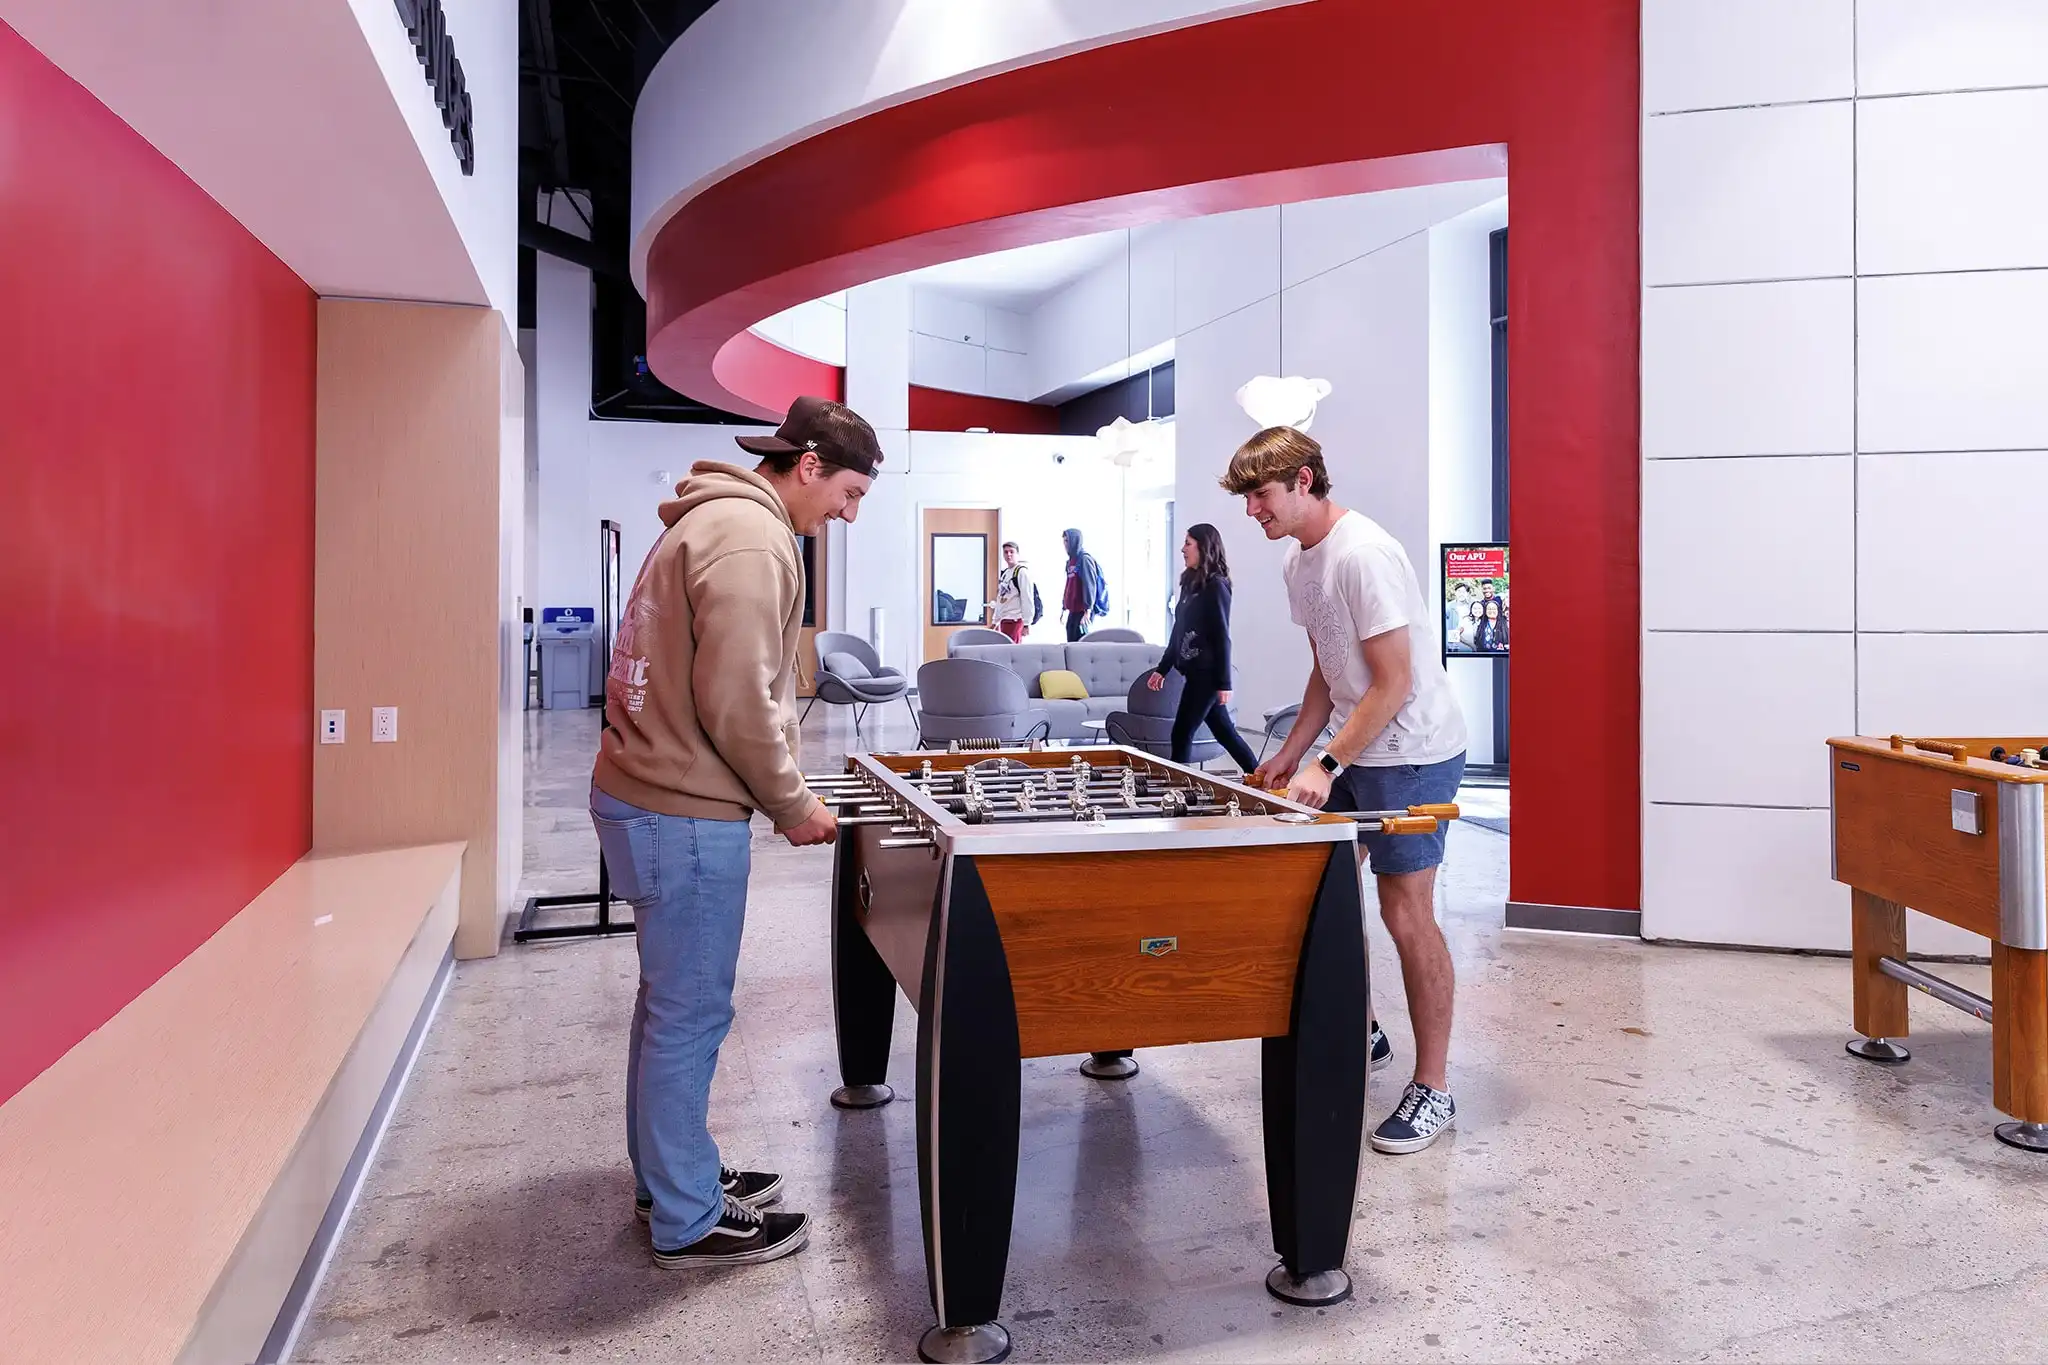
156 564
1325 98
945 410
752 363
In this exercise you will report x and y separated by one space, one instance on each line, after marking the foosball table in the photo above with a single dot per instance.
1956 829
1041 902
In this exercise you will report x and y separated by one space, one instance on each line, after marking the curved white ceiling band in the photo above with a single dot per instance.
755 76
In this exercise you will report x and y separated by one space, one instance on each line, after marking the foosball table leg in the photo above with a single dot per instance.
863 993
1109 1066
1313 1092
2019 1045
969 1074
1877 929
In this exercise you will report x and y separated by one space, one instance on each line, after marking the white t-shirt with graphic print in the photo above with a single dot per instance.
1357 583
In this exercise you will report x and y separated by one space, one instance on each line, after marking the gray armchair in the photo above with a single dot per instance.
1111 635
1146 722
850 674
1280 724
974 635
970 699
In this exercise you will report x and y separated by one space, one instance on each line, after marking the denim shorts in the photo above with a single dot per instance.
1397 788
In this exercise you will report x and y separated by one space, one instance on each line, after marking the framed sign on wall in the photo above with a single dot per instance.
1476 600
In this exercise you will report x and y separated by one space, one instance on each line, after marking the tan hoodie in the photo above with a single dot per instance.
699 716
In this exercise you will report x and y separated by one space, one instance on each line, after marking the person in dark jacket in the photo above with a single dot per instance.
1199 647
1084 586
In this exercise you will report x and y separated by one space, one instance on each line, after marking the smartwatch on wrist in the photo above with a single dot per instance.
1328 762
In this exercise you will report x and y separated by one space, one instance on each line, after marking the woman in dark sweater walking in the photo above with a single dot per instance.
1199 647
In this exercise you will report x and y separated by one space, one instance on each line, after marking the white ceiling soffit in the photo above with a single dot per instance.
755 76
282 114
1022 278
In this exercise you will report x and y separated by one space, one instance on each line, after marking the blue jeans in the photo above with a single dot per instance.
1397 788
687 882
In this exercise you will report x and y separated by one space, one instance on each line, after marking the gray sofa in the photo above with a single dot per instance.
1107 670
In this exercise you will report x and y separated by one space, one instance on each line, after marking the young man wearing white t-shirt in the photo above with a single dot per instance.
1400 737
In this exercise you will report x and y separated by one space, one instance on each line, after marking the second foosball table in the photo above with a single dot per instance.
1035 903
1956 829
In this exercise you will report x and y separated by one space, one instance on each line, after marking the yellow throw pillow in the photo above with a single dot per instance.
1062 684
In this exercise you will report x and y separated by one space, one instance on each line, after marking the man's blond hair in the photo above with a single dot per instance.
1276 455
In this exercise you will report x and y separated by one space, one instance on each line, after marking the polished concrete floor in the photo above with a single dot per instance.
1662 1153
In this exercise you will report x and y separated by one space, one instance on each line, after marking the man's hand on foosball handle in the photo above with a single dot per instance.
820 828
1310 786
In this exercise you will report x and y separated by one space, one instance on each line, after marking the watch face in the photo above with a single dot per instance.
1330 764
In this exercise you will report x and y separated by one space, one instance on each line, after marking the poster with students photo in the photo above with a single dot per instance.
1476 601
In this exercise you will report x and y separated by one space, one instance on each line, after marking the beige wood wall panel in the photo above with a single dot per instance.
407 595
133 1171
511 642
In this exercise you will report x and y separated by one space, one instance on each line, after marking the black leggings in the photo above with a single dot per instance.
1077 626
1198 703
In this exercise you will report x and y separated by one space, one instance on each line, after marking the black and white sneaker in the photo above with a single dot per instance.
755 1189
1381 1051
742 1236
1422 1116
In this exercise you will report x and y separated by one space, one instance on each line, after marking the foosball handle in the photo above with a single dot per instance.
1409 824
1440 810
1958 752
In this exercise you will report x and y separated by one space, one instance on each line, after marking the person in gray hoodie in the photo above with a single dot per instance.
699 733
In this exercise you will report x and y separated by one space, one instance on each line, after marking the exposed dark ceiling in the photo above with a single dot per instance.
581 66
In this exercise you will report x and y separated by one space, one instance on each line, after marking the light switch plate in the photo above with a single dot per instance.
1965 813
333 727
383 725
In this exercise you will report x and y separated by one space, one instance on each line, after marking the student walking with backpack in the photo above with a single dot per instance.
1087 596
1018 605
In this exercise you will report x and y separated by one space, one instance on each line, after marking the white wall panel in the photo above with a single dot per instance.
1749 369
1749 194
1222 263
1008 331
1365 327
1749 544
936 313
1009 376
1920 46
1710 54
878 353
1759 877
1739 719
1152 263
1933 553
1951 684
1271 653
1953 362
1952 182
939 364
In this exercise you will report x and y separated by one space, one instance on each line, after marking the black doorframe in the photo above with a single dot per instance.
1497 258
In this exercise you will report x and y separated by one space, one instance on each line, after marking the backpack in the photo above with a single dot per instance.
1037 605
1100 606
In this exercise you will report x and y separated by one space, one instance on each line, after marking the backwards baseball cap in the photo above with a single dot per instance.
832 431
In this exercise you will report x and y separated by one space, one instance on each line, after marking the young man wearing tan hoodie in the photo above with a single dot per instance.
699 733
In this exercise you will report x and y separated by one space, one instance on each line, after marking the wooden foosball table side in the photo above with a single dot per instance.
1937 826
1012 956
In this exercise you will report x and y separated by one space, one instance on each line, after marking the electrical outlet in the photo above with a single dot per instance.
383 725
333 727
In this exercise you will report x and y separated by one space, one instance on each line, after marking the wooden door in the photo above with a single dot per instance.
948 597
